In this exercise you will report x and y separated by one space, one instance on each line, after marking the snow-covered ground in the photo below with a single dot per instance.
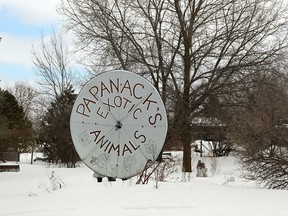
30 192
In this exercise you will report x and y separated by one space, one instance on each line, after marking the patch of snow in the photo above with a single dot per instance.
31 192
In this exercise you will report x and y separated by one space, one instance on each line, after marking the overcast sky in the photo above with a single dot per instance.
22 23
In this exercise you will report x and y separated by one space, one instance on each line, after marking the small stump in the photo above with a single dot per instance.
201 169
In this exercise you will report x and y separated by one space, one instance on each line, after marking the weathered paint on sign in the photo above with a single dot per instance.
118 122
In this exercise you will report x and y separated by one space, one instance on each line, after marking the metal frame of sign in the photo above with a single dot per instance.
118 123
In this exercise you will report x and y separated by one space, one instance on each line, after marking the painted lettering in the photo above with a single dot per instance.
134 113
109 105
148 101
114 148
131 108
103 143
94 91
128 87
81 108
125 149
96 134
87 102
118 101
141 136
116 86
126 102
103 89
102 114
134 90
109 147
153 119
135 148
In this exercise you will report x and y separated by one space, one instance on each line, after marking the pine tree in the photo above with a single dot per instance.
58 146
15 128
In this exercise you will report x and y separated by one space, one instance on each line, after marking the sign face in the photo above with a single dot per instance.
118 122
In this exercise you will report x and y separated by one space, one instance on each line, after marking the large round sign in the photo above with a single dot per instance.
118 123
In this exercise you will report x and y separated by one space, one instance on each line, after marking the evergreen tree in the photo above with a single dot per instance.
15 128
58 146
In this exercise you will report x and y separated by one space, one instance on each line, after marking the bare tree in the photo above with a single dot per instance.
260 127
53 63
26 97
34 107
193 48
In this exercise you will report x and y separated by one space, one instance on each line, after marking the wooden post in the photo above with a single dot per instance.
201 145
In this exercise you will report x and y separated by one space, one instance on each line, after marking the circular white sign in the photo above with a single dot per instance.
118 123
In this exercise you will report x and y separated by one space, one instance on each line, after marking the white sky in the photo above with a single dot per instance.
22 24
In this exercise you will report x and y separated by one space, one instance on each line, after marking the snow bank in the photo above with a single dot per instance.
31 192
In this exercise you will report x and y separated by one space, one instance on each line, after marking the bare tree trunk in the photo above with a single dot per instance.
32 152
186 156
186 121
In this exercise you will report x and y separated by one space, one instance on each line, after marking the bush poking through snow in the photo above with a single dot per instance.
229 179
269 170
166 168
56 181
